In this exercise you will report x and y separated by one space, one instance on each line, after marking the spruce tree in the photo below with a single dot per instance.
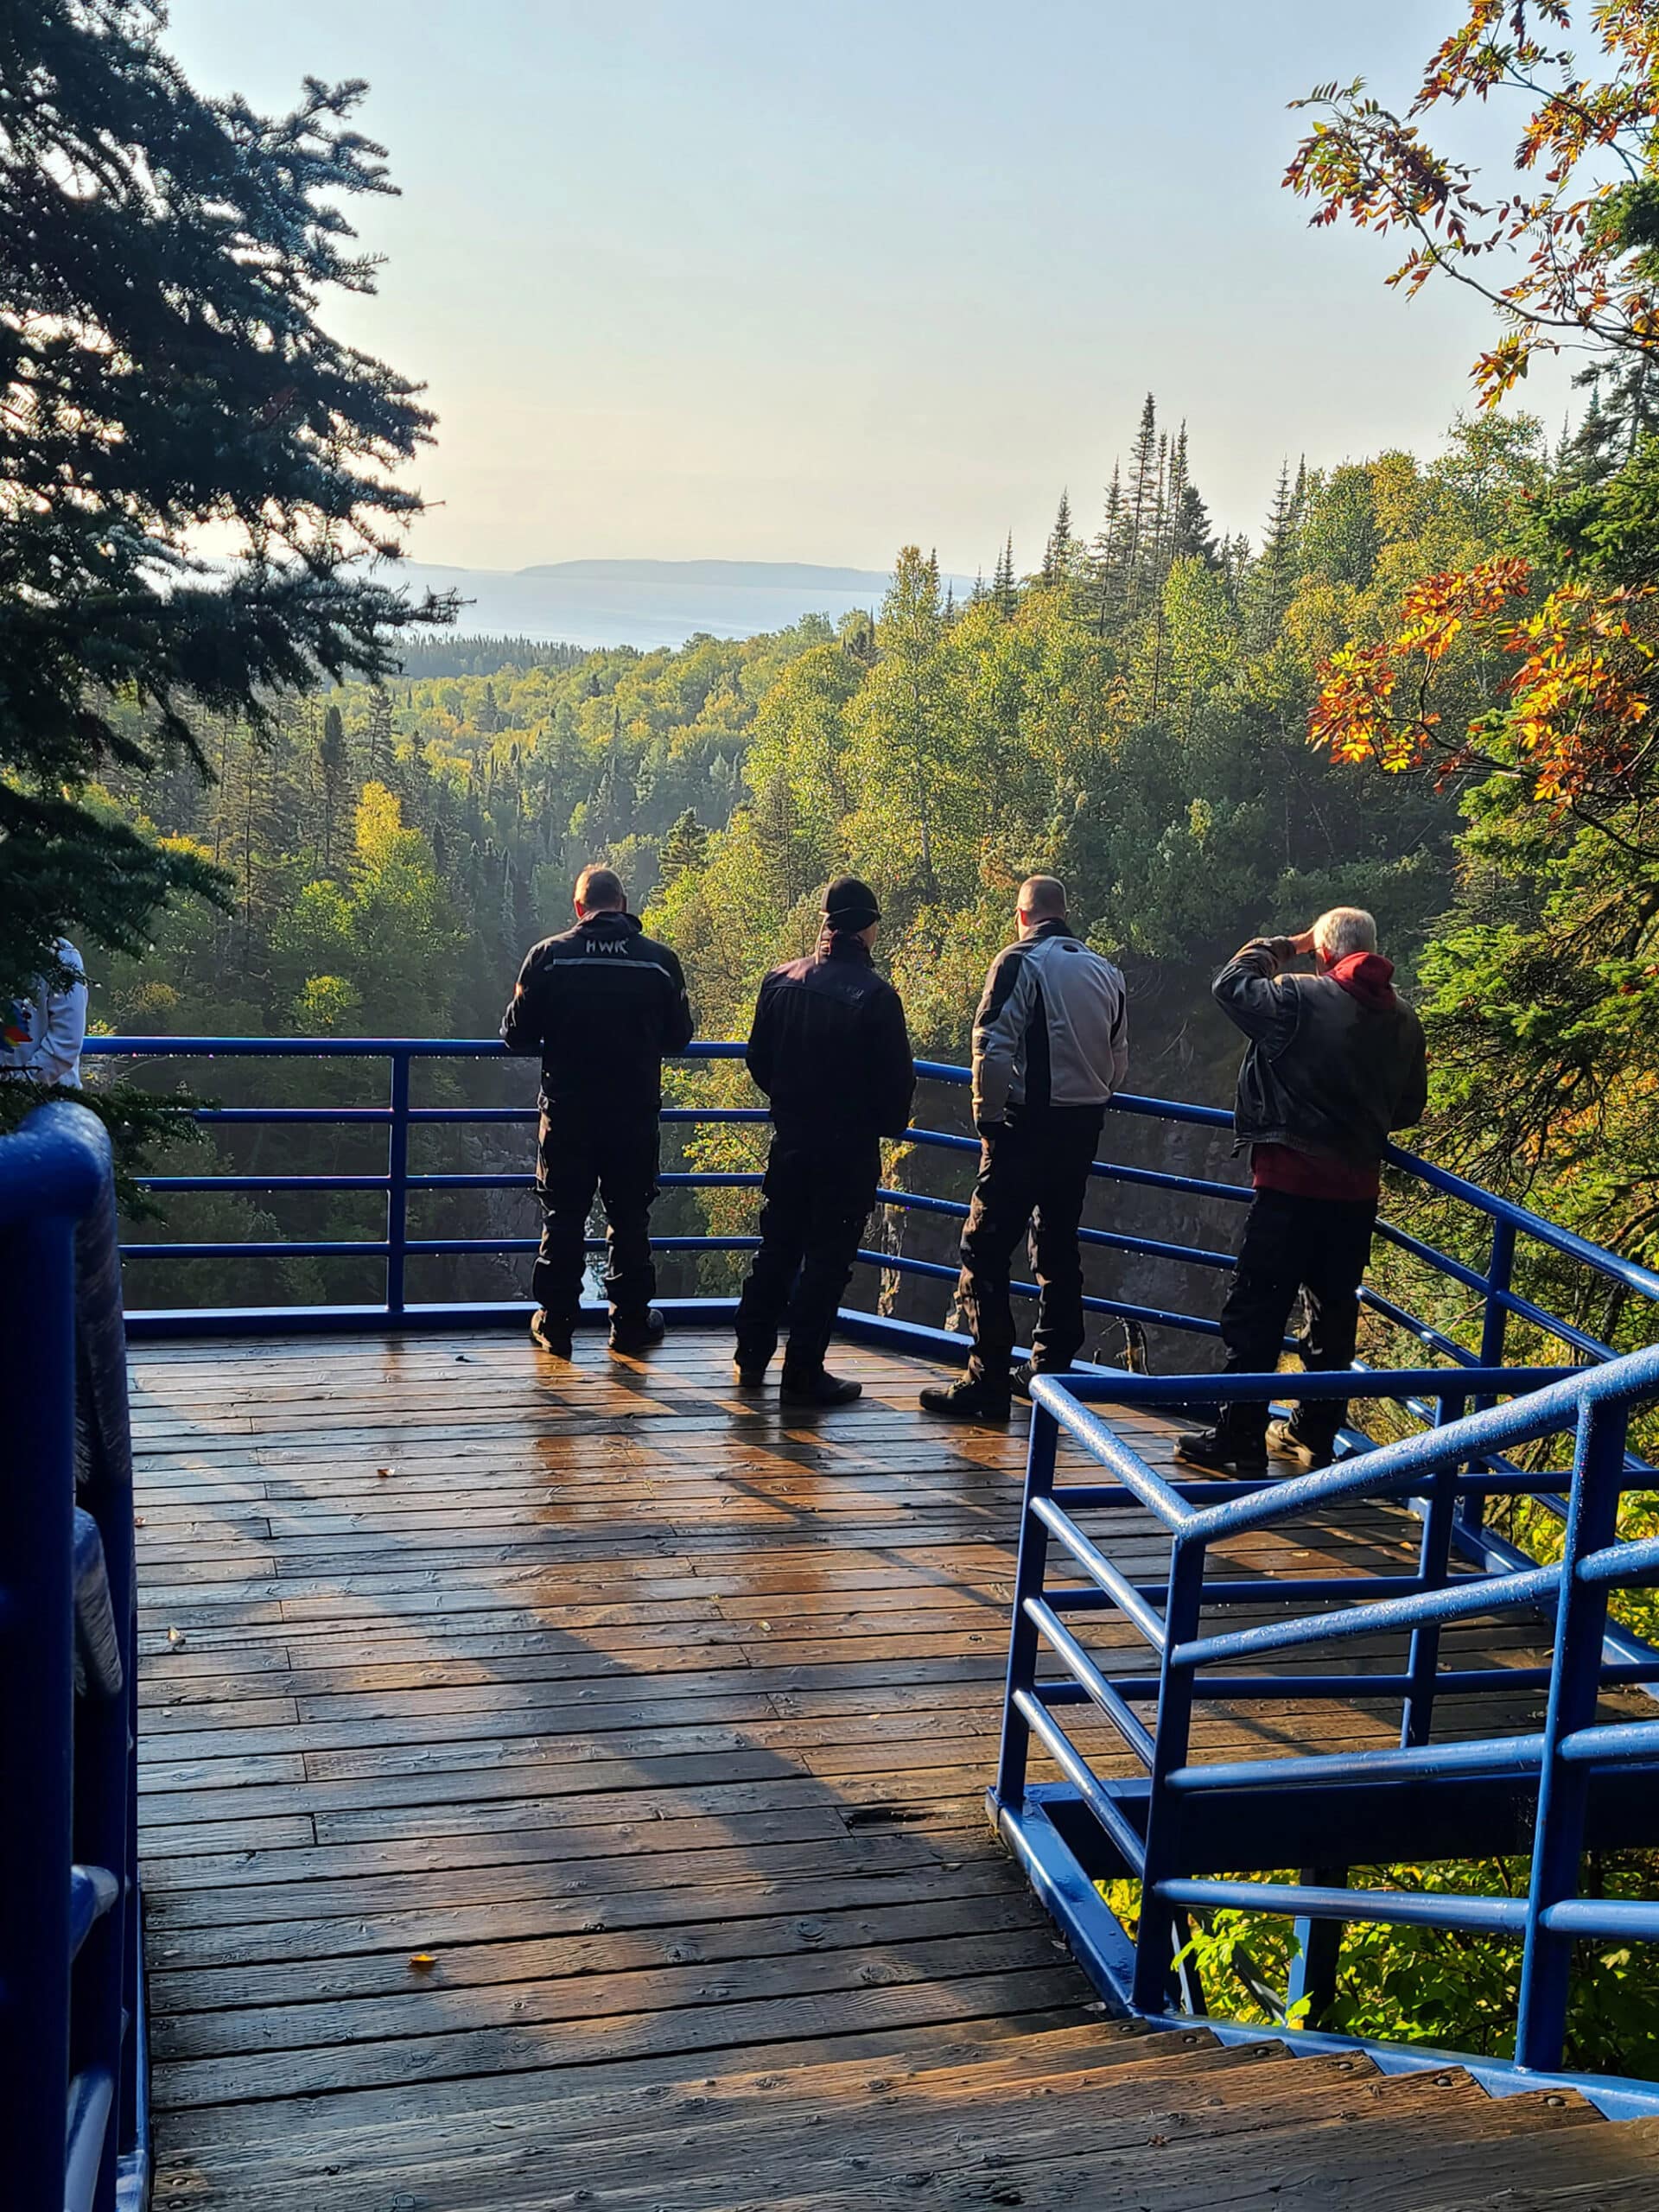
332 757
1273 575
1056 554
163 368
1141 502
685 849
1108 557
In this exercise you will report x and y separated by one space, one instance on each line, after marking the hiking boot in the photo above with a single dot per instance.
974 1398
1217 1453
820 1389
1019 1381
548 1335
1282 1437
638 1332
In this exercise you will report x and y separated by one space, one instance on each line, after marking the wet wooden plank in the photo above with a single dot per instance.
659 1720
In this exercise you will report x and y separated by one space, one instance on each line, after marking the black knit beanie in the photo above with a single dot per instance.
850 905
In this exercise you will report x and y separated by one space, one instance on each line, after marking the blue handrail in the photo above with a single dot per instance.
1445 1475
71 1973
1148 1826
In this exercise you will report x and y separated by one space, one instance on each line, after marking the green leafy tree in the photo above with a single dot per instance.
162 367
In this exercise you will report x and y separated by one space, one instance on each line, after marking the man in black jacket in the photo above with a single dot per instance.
603 1004
1335 1061
830 1049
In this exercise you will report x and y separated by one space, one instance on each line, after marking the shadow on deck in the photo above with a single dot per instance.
519 1731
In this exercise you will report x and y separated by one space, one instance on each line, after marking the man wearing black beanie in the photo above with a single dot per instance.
830 1049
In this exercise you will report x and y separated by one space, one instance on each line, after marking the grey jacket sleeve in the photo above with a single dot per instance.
1004 1009
1121 1044
1251 995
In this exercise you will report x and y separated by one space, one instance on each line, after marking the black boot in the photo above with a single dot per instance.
821 1389
750 1371
1019 1381
1220 1454
1309 1452
638 1332
974 1398
548 1335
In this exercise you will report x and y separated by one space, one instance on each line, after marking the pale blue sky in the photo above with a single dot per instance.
748 278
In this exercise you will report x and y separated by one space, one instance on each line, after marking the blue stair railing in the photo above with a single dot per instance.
1552 1792
72 2054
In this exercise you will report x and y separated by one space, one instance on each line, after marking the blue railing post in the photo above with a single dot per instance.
37 1332
1493 1331
1433 1564
398 1190
1155 1944
1023 1640
1575 1683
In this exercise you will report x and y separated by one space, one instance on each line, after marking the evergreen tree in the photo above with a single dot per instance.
1141 505
1623 410
380 761
1004 590
685 846
162 367
1056 554
1109 548
1273 575
335 765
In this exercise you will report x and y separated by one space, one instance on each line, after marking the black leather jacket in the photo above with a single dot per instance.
830 1048
1329 1070
603 1004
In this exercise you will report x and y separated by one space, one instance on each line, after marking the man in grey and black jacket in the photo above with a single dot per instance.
1336 1061
1051 1045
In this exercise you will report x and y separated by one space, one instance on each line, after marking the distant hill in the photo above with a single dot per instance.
650 602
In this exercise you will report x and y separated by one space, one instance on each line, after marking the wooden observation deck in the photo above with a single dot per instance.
563 1784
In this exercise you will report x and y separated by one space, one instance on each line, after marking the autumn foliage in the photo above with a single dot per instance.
1570 675
1568 250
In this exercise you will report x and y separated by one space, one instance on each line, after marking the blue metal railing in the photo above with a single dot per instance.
1457 1468
71 1976
1329 1810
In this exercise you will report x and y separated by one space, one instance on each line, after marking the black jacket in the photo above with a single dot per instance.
603 1004
830 1048
1330 1069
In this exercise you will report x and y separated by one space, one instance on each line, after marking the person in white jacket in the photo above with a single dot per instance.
1051 1045
41 1037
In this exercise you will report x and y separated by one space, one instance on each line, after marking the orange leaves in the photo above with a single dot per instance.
1436 611
1580 694
1583 273
1573 710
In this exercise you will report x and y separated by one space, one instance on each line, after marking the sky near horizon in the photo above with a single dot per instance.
751 280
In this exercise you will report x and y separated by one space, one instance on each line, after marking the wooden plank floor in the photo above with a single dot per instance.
507 1719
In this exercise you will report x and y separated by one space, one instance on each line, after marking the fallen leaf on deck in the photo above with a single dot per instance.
175 1637
422 1961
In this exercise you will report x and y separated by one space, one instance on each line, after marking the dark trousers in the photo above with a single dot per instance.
815 1198
613 1152
1033 1172
1319 1245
